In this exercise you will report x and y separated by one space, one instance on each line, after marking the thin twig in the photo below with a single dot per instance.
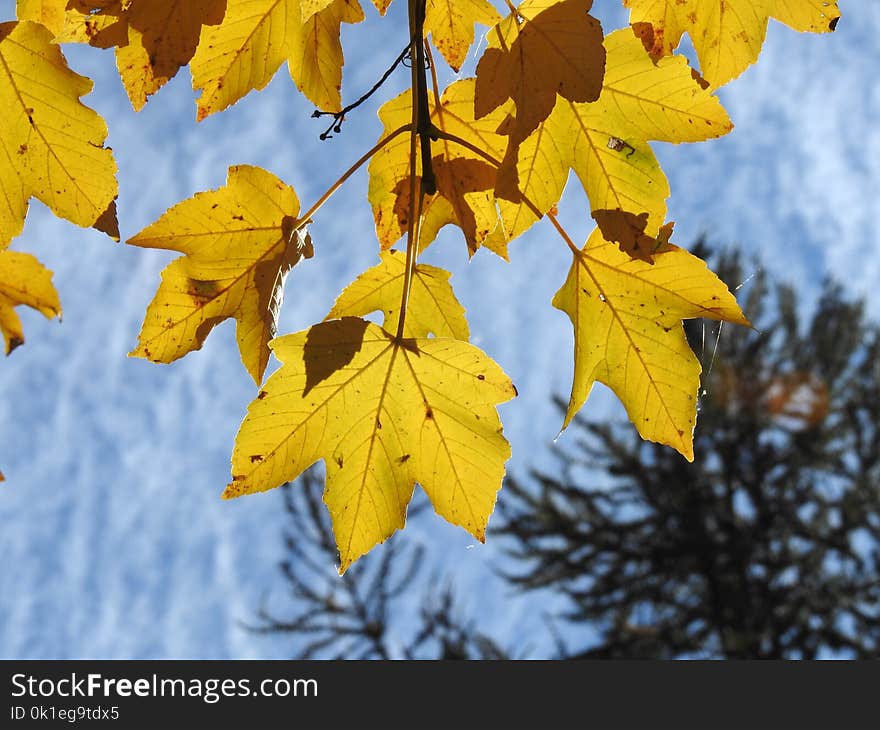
339 117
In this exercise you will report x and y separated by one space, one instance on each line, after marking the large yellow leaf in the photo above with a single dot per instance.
239 243
628 334
606 142
432 306
257 36
465 181
383 415
548 47
727 34
23 281
52 146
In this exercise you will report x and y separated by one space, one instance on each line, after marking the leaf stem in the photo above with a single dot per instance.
440 134
421 119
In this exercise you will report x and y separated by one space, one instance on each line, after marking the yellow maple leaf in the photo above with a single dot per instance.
49 13
727 34
52 146
383 415
153 40
606 142
239 243
256 36
547 47
23 281
432 306
627 317
465 181
451 25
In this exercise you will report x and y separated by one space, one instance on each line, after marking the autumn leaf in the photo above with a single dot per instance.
451 25
432 306
383 415
256 36
23 281
52 146
238 242
727 34
49 13
606 142
153 40
548 47
628 334
465 181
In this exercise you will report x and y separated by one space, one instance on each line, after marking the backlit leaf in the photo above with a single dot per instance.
627 317
432 307
727 34
153 40
465 181
23 281
383 415
239 243
52 146
606 142
256 36
451 25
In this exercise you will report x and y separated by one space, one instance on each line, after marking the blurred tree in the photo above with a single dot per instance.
357 616
768 545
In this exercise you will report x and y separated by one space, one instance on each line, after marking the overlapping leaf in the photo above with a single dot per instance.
547 47
239 243
383 415
24 281
52 146
606 142
256 36
432 306
727 34
450 24
628 333
465 180
153 40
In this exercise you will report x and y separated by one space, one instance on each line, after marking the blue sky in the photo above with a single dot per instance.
115 542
